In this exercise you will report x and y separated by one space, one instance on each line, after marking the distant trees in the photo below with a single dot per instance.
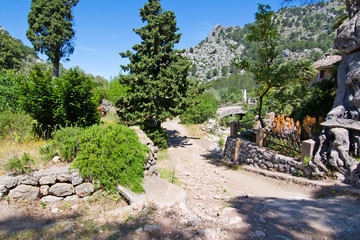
268 72
50 29
157 78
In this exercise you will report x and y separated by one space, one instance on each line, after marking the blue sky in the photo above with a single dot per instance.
104 28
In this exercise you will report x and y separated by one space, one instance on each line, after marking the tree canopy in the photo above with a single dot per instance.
50 29
157 73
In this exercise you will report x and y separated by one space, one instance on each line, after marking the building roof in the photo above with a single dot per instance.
327 61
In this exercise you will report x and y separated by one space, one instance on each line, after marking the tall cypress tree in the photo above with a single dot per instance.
157 78
50 29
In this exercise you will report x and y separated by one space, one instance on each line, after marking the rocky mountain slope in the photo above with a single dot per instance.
307 32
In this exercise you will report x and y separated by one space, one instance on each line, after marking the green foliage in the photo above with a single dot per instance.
20 165
77 107
111 154
157 135
157 77
169 175
50 29
10 82
16 126
202 108
63 101
10 52
116 90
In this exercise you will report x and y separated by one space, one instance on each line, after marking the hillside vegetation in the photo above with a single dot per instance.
307 32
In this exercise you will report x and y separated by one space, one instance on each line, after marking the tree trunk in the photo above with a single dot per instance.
260 107
56 68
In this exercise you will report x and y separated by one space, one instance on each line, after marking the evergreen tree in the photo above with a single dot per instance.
50 29
10 51
157 78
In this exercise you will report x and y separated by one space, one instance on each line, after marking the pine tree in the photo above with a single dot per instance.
157 78
50 29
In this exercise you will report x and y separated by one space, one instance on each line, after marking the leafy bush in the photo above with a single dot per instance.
111 154
63 101
20 165
202 108
16 126
9 89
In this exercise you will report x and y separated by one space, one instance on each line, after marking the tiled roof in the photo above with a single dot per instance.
327 61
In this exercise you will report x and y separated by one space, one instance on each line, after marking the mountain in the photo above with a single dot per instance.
306 32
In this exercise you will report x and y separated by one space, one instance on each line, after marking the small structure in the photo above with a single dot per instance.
325 67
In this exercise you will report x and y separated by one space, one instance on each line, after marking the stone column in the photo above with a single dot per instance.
307 149
233 129
260 137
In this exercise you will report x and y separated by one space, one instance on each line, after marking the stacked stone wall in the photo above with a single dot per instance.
239 151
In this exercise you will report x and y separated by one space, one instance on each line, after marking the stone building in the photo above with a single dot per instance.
325 67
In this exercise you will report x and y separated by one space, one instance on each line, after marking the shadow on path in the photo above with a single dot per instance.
176 141
274 218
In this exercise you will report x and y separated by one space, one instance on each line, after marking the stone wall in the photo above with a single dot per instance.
49 185
239 151
61 183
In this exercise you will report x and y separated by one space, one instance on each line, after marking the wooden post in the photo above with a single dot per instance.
237 145
233 129
260 137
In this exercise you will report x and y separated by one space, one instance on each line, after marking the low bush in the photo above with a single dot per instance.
20 165
157 135
18 127
111 154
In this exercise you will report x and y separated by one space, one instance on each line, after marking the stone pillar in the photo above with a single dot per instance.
307 149
233 129
260 137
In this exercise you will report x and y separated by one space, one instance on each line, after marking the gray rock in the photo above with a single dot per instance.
24 193
139 231
235 220
84 189
47 180
129 195
56 159
76 179
260 233
53 172
194 221
29 180
2 189
62 189
64 177
262 219
51 199
9 181
44 190
71 198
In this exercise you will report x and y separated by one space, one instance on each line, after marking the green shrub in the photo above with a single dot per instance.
20 165
202 108
111 154
16 126
9 89
157 135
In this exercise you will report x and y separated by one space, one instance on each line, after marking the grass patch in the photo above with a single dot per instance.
110 118
169 175
163 154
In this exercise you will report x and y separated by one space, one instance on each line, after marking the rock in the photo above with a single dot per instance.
24 193
62 189
262 219
129 195
47 180
9 181
209 234
56 159
55 210
64 177
2 189
235 220
29 181
44 190
51 199
150 228
139 231
194 221
260 233
84 189
71 198
53 172
76 179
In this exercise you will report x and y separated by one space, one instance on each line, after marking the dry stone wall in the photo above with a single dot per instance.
239 151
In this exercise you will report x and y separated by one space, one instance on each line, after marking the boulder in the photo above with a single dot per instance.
84 189
64 177
46 180
51 199
29 180
62 189
24 193
76 179
9 181
44 190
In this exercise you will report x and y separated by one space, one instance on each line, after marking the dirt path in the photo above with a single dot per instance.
229 204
